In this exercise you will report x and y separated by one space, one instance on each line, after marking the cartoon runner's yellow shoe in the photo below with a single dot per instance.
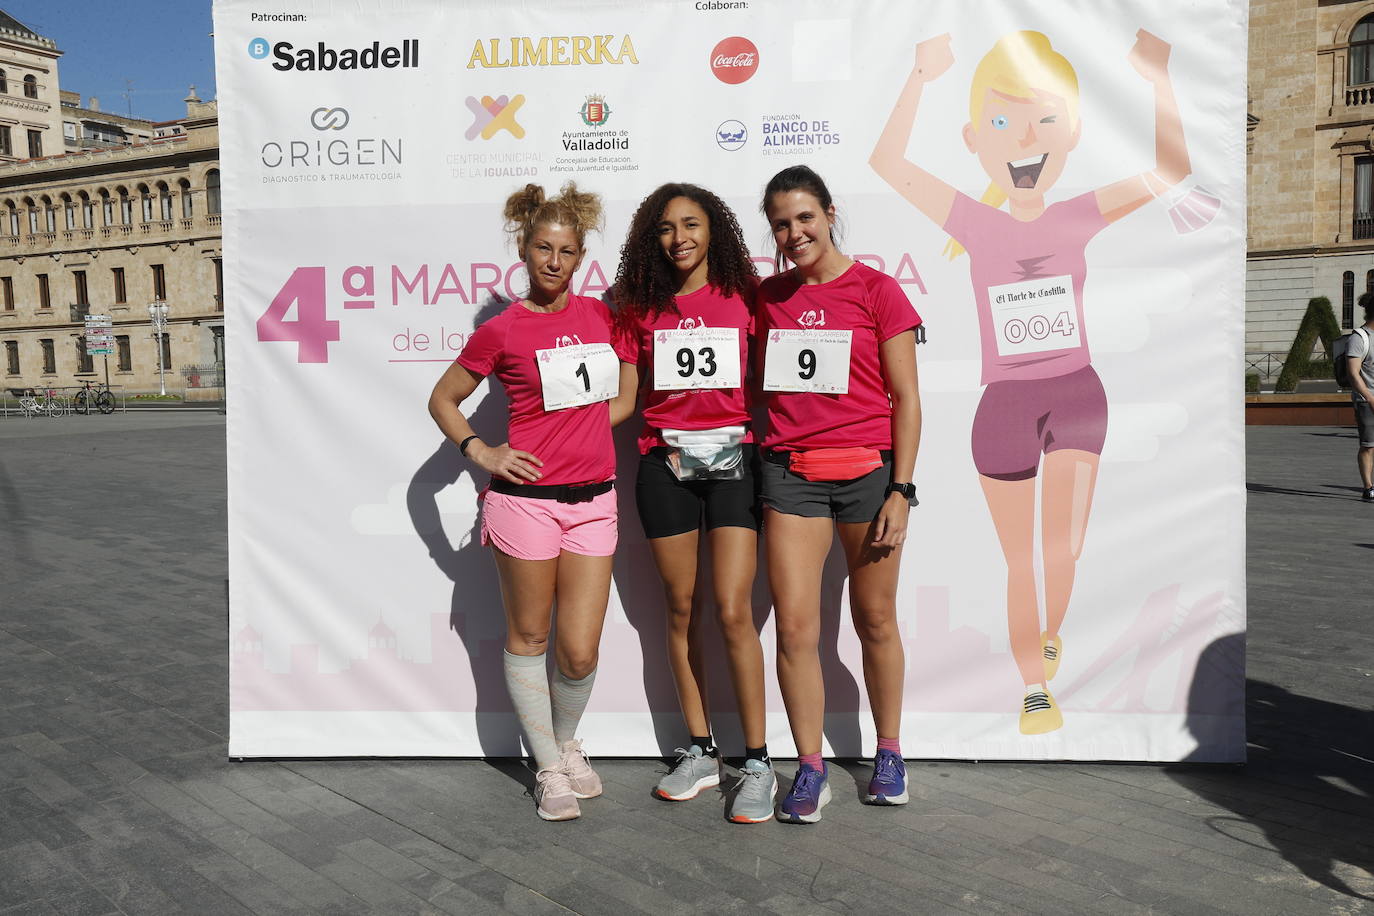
1052 649
1039 712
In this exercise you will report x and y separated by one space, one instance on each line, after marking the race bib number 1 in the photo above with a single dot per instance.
815 361
699 358
578 375
1034 316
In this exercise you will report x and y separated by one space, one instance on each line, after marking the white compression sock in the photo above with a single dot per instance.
569 700
528 686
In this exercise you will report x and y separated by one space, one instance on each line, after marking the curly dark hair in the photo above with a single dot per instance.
645 283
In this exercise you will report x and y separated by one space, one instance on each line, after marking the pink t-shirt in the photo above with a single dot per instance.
864 301
1028 284
701 408
574 443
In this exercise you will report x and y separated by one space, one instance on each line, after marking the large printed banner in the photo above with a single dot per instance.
367 149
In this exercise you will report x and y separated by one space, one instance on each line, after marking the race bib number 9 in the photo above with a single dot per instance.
699 358
578 375
815 361
1034 316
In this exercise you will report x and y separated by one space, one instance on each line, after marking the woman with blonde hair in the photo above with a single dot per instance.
549 514
1043 413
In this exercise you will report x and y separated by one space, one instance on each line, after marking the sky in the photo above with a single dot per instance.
161 47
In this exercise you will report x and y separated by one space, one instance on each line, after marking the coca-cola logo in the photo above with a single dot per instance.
734 60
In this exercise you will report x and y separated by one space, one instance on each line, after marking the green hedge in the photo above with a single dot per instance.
1319 322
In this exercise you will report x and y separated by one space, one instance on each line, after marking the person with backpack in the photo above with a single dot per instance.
1359 356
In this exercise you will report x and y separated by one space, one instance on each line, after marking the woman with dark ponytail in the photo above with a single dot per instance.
844 421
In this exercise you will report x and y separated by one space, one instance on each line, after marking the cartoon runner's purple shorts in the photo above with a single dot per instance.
1019 420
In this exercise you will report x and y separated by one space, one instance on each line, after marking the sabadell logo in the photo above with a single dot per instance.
734 60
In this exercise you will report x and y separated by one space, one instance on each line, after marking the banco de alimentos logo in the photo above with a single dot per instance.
731 135
491 115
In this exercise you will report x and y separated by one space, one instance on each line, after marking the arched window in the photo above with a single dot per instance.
164 201
4 83
68 212
87 211
212 192
49 215
1362 52
184 189
106 208
145 203
1348 299
30 87
11 218
126 207
32 209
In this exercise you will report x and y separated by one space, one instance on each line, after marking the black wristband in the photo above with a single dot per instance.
463 446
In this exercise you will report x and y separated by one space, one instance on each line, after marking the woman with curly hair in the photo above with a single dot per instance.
549 514
683 298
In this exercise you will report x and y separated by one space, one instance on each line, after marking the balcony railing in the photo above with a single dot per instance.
1363 227
1359 95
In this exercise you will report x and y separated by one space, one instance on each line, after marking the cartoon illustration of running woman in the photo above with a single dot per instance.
1027 265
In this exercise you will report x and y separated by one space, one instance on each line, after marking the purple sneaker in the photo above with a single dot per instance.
810 793
888 785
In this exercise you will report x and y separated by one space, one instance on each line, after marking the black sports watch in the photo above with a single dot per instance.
908 491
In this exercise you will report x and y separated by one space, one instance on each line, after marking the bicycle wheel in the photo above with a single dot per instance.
81 403
104 402
54 407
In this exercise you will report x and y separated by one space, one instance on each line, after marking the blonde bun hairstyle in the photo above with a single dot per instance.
528 208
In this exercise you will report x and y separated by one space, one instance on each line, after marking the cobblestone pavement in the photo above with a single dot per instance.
116 796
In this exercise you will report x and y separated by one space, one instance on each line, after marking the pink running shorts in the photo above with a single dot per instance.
540 529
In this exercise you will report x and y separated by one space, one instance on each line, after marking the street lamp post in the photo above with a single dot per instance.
157 313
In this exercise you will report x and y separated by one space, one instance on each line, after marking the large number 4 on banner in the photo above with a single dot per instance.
310 329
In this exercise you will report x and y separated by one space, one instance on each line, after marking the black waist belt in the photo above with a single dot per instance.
564 493
783 459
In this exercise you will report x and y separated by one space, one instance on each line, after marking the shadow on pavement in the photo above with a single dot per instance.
1290 491
1308 787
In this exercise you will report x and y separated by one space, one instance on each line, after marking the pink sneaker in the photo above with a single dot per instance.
553 796
573 763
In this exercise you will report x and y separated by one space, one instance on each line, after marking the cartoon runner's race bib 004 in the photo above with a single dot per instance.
696 358
1034 316
578 375
815 361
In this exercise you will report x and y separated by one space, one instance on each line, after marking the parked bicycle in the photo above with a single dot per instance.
98 396
50 403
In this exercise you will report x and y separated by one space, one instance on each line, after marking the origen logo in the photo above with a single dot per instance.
329 118
490 115
734 60
258 48
731 135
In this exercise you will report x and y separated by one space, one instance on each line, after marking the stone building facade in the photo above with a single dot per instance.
30 108
111 230
1311 164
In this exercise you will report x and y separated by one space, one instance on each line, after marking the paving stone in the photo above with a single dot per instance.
115 794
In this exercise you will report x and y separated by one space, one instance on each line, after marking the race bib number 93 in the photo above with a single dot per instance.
699 358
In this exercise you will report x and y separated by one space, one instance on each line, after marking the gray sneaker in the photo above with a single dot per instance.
754 793
694 771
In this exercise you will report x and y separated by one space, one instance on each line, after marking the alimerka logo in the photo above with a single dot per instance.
552 51
323 57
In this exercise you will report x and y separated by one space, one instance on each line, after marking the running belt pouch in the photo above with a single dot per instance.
830 464
705 454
